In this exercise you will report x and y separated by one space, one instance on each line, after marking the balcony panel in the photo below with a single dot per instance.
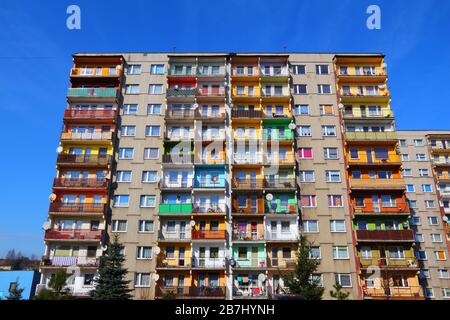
277 183
77 207
385 235
283 263
95 72
172 92
81 159
250 263
92 92
178 159
394 293
87 136
179 114
390 263
183 208
89 115
80 183
174 236
73 234
247 184
213 208
208 234
385 208
248 236
371 136
246 114
385 184
208 263
68 261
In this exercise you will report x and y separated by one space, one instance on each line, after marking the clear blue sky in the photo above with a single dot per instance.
36 49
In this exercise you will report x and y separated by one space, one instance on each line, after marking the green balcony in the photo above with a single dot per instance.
183 208
92 92
278 135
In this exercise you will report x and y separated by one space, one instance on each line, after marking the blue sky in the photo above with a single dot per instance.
36 50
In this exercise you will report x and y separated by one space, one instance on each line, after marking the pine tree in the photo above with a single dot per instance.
16 292
338 293
57 288
110 284
301 281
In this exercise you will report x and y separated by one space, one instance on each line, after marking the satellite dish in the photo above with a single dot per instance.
46 225
292 126
156 250
155 276
341 106
384 65
59 149
232 262
261 277
104 248
52 197
445 218
269 197
192 223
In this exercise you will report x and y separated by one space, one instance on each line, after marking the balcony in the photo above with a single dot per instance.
173 92
180 136
279 183
208 234
174 236
87 136
372 136
218 116
363 77
175 209
290 208
246 114
172 114
385 235
214 92
173 263
377 184
250 184
248 236
384 114
95 72
393 160
98 93
80 183
83 160
185 292
278 135
209 183
386 208
380 96
276 95
394 293
167 185
178 158
77 207
250 263
255 158
276 116
208 263
249 209
287 160
220 73
282 236
89 115
213 208
68 261
282 72
73 234
441 163
283 263
210 135
389 263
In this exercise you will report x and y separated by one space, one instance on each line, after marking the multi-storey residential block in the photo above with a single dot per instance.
209 167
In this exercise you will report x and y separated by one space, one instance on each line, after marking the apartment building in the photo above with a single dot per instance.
209 166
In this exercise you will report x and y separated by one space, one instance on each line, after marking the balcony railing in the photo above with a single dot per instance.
287 159
377 183
247 114
89 114
80 183
209 183
291 236
278 135
166 184
208 234
250 262
247 184
279 183
93 136
173 92
365 95
92 92
178 158
393 159
83 159
210 208
209 263
76 207
270 94
288 263
401 263
385 207
379 115
256 158
220 92
291 208
210 73
165 262
248 236
180 114
371 136
209 115
179 137
73 234
178 208
250 208
184 291
67 261
275 115
414 292
95 72
174 235
385 235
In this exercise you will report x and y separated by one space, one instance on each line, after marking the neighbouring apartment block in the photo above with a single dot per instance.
209 167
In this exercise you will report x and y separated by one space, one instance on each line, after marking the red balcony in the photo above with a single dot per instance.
208 234
73 234
79 183
89 115
385 235
78 207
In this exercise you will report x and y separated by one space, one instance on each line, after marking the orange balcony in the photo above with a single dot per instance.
376 184
248 184
91 116
76 207
95 72
94 137
398 207
394 293
250 208
208 234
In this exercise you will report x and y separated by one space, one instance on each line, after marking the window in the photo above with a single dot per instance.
396 253
381 153
329 131
410 188
154 109
285 226
304 131
407 172
340 252
124 176
421 255
305 153
419 237
421 157
119 225
433 221
405 157
337 226
354 153
152 131
298 69
423 172
418 142
130 109
427 188
436 237
149 176
446 292
134 69
335 201
128 131
126 153
332 176
300 89
144 253
440 255
157 69
307 176
326 110
322 69
145 226
330 153
343 70
415 221
314 253
142 280
121 200
155 89
88 279
429 293
308 201
132 89
402 142
151 153
323 89
301 109
344 279
148 201
310 226
424 274
430 204
443 273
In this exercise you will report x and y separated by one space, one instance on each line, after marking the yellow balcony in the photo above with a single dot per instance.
95 72
371 136
386 184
